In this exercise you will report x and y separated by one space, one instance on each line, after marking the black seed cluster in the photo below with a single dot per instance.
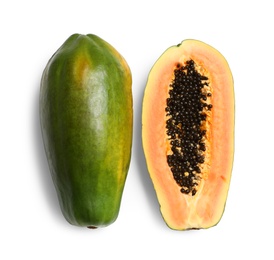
186 107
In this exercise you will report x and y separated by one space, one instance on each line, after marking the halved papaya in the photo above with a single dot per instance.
188 134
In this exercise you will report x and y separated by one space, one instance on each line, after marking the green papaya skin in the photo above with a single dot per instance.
86 120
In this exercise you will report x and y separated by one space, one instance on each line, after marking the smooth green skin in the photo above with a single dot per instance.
86 122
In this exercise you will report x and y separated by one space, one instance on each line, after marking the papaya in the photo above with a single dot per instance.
188 134
86 121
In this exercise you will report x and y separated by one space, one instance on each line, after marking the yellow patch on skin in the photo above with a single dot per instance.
80 69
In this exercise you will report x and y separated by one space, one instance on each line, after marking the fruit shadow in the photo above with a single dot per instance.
145 179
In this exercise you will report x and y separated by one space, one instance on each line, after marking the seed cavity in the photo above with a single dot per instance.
188 108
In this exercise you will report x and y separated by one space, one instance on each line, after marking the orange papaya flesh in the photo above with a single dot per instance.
188 134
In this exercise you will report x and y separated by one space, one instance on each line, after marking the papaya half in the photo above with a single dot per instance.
188 133
86 121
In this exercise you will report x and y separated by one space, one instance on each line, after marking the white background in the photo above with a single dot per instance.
32 226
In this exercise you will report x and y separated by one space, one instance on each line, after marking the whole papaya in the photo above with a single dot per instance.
86 121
